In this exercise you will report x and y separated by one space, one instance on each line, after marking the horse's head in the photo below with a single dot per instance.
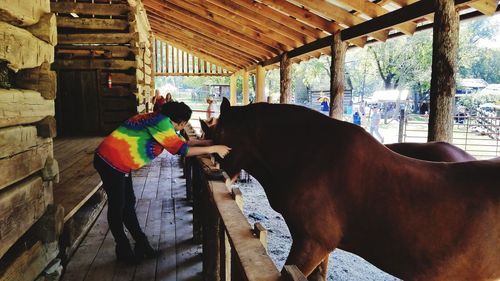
233 129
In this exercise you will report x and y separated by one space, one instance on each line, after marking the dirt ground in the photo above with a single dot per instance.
342 265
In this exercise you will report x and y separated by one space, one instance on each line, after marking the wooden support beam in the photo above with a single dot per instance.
89 8
232 89
337 77
25 13
260 84
45 29
92 23
21 49
96 38
246 94
23 107
444 70
407 13
40 79
285 79
21 206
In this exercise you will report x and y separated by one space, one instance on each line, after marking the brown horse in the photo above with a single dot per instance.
417 220
430 151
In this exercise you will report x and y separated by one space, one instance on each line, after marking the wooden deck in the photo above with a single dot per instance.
165 216
78 178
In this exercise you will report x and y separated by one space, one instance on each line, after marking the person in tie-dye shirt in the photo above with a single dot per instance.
134 144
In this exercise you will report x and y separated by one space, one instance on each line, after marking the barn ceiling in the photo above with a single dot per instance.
242 33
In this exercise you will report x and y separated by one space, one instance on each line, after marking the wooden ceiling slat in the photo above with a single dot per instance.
276 16
173 40
310 18
339 15
407 13
229 56
236 23
221 37
202 54
171 32
203 39
373 10
221 24
237 17
403 3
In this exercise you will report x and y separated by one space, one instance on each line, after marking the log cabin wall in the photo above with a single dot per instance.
103 59
29 222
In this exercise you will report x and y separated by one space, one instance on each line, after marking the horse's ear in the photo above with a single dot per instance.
225 105
204 126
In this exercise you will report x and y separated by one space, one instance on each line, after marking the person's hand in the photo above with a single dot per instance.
221 150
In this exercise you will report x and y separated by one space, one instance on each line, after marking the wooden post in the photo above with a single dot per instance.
337 77
292 273
285 78
260 74
232 90
246 96
444 68
238 197
261 233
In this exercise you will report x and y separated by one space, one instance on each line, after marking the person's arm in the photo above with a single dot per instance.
221 150
197 142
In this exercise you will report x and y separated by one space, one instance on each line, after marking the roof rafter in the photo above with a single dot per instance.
229 22
373 10
212 39
340 15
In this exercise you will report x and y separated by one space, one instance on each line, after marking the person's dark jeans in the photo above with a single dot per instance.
121 202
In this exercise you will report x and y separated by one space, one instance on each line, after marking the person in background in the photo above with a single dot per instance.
168 98
134 144
356 118
158 101
374 124
210 108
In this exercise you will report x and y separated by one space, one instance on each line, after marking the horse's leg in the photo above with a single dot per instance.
306 254
319 274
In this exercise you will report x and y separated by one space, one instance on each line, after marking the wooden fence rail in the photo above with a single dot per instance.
232 248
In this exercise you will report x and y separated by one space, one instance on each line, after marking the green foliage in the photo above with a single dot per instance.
473 101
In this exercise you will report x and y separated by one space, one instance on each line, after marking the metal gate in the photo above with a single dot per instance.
478 135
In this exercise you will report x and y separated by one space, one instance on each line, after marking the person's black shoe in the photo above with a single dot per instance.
124 253
144 250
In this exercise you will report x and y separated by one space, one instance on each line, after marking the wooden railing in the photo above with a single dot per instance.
232 248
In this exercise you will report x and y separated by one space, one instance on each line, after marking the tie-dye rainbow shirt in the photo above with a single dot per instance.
139 140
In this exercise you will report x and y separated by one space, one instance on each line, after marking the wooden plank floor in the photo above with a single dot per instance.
165 216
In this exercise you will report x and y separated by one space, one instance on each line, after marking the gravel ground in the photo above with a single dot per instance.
342 265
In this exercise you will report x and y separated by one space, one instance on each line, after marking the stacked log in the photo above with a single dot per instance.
112 39
139 24
29 222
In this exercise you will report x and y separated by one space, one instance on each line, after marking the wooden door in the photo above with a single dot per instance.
77 103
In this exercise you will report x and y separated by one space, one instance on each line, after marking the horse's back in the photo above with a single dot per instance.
432 151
